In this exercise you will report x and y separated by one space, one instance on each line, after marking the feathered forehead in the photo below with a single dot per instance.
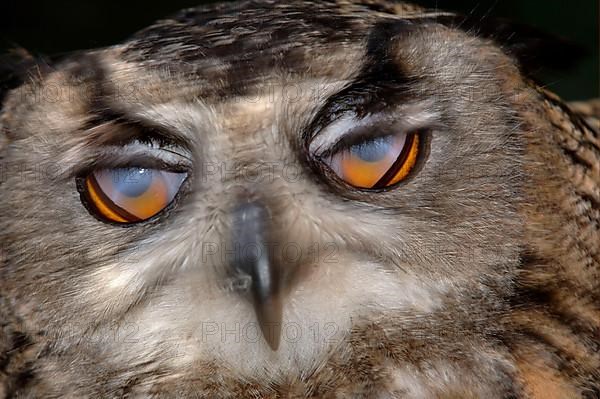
241 41
247 30
236 46
227 49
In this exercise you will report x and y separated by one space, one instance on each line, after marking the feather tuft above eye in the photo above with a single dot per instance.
532 47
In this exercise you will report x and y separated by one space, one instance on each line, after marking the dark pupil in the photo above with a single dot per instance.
373 150
132 182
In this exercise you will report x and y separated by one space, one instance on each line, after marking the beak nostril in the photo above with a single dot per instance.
249 236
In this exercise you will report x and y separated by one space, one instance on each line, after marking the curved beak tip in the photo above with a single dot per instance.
269 315
272 336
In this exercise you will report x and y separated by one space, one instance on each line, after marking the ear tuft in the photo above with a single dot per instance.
14 69
533 48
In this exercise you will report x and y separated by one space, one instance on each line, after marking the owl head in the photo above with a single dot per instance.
251 196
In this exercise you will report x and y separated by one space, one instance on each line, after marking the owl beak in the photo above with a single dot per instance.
252 259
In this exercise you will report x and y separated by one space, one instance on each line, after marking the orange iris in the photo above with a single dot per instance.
377 163
126 195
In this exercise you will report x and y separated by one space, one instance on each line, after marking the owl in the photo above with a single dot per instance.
337 199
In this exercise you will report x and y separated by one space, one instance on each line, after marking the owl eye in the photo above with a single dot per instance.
377 162
128 195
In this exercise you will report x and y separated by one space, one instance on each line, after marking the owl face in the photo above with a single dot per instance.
278 194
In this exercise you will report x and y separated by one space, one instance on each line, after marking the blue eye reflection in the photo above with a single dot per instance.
373 150
131 182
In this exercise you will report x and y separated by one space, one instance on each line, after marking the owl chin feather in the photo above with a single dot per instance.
265 270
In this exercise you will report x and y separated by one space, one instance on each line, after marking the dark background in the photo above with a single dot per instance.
58 27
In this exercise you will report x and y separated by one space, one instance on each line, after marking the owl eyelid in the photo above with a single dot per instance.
360 137
143 159
155 144
159 151
352 132
349 129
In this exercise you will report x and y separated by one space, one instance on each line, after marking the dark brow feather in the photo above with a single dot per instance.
116 129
